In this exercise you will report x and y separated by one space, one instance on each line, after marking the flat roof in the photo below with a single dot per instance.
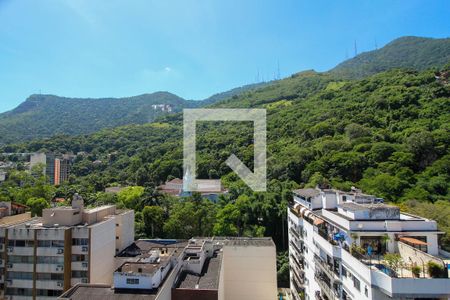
308 192
247 242
360 206
207 280
101 292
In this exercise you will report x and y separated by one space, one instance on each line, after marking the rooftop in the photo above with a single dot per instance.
207 280
308 192
101 292
360 207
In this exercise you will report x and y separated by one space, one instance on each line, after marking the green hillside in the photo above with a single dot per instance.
42 116
46 115
416 53
387 134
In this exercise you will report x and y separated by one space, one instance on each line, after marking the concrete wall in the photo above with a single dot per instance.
165 293
249 273
413 255
187 294
61 216
101 251
124 229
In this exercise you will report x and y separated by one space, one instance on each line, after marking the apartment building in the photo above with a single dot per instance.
338 242
198 269
44 256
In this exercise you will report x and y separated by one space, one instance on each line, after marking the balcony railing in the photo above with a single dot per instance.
297 261
329 270
330 293
297 249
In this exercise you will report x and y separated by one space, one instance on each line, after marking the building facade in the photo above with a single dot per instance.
43 257
343 245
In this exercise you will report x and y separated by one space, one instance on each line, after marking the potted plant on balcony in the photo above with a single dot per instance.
394 261
435 270
415 270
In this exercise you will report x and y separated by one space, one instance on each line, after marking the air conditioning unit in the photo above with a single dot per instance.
59 267
60 284
84 249
84 280
10 249
60 251
84 265
1 246
9 266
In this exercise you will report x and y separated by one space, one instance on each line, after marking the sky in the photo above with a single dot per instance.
111 48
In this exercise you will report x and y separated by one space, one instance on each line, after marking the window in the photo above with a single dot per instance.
49 243
15 259
344 271
58 244
20 243
80 242
356 283
79 274
50 260
19 292
20 275
132 281
79 257
366 291
49 293
49 276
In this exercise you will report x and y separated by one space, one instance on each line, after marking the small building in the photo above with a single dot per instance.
208 188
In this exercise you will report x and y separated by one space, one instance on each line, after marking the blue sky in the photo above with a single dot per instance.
194 49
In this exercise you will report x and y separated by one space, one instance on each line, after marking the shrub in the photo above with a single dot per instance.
435 270
416 271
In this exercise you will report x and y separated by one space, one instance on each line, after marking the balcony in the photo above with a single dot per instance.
327 268
298 262
297 250
296 232
330 247
329 289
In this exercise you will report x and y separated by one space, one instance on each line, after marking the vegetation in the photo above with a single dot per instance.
412 52
48 115
394 261
415 270
387 134
436 270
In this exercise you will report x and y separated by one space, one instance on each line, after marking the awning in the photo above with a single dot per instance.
318 221
302 211
413 241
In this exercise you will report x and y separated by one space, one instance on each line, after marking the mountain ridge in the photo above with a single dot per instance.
41 116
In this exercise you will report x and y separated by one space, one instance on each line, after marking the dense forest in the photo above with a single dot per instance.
387 134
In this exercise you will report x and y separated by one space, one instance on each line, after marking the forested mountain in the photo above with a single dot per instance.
416 53
42 116
46 115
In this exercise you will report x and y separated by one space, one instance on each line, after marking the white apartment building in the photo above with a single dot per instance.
338 242
44 256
